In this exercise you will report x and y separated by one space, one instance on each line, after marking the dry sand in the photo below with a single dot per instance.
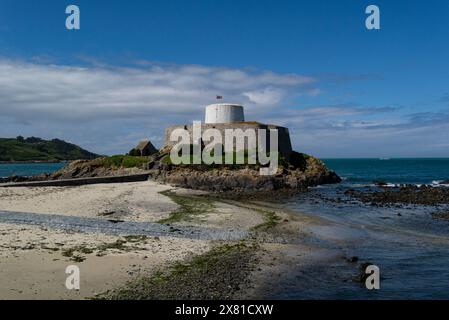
33 264
137 201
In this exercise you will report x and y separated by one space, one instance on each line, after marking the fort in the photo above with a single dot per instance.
239 147
225 117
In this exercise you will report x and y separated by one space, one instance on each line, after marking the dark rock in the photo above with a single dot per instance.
405 194
224 179
40 177
441 215
362 276
115 221
380 183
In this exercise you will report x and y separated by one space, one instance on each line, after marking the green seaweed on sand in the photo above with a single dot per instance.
135 238
125 244
217 274
271 220
189 207
72 254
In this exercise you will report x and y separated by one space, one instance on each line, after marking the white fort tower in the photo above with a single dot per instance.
223 116
224 113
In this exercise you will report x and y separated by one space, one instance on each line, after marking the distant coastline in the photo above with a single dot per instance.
37 150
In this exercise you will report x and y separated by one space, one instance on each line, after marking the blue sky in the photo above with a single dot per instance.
136 67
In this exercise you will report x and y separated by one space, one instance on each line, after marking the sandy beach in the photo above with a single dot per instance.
33 260
130 201
34 256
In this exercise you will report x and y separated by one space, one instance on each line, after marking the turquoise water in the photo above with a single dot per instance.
405 242
414 171
28 169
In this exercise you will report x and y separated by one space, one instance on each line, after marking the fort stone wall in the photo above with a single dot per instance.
284 142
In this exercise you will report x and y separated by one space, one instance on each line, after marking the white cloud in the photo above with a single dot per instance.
65 99
108 109
267 96
355 131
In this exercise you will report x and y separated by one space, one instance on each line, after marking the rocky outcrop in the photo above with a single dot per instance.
298 174
246 178
444 215
79 169
20 179
94 168
406 194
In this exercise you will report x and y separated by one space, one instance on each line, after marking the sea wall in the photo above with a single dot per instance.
79 181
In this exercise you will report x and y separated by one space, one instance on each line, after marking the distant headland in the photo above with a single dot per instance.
35 149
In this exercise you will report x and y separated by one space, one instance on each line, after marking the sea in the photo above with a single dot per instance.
393 171
28 169
410 248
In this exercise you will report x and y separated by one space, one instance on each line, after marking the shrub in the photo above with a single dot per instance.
125 161
131 162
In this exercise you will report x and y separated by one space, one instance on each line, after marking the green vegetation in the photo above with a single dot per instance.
271 220
189 160
189 207
125 244
135 238
297 160
124 161
166 159
117 245
217 274
36 149
71 253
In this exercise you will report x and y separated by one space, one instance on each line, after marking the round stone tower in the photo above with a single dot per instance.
224 113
